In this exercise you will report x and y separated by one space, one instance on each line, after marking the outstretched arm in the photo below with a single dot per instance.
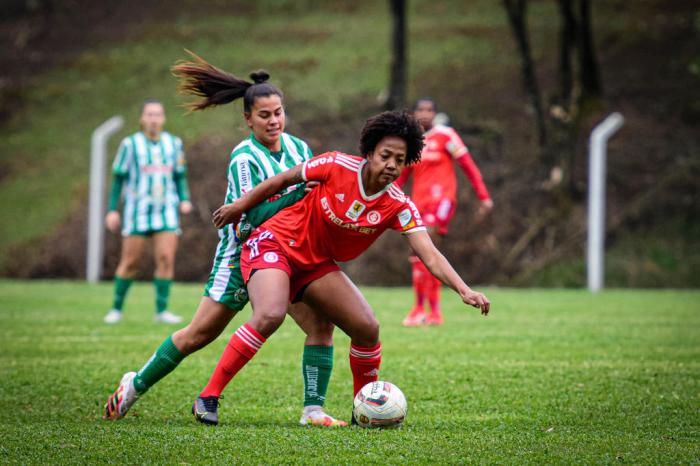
231 213
424 248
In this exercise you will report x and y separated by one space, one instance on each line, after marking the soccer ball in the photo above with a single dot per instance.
379 404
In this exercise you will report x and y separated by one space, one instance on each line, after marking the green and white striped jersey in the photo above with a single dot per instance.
250 164
151 171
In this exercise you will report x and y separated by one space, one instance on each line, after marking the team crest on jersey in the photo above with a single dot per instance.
374 217
355 210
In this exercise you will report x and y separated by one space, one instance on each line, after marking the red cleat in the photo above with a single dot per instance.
434 318
415 318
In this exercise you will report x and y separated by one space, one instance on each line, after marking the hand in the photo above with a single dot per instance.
310 185
478 300
113 220
225 215
185 207
485 207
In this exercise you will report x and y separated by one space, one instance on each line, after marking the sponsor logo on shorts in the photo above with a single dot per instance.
355 210
374 217
240 295
253 243
271 257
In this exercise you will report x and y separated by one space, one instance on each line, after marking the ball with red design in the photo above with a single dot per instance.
380 404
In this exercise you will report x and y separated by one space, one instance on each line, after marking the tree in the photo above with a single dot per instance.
567 42
591 86
516 16
397 83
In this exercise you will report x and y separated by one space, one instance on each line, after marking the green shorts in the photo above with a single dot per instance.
177 231
226 286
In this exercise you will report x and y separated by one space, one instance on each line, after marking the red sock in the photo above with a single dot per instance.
419 275
364 364
434 294
240 349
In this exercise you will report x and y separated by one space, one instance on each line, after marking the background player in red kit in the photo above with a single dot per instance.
292 256
435 194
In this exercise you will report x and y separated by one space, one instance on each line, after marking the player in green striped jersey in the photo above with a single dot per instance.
151 166
266 152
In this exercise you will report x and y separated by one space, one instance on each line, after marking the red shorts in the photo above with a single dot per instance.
262 251
437 213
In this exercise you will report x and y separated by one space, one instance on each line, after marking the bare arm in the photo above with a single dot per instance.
424 248
231 213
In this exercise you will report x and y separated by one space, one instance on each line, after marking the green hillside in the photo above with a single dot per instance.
332 61
324 59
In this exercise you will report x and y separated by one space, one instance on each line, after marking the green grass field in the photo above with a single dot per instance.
552 376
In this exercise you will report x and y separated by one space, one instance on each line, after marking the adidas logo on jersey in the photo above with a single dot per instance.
340 197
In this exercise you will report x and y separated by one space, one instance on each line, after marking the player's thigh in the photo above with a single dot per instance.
133 247
208 322
165 245
336 295
316 325
268 290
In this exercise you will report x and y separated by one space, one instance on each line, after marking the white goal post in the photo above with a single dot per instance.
98 159
597 160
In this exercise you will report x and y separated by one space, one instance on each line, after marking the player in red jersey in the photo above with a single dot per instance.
435 194
291 257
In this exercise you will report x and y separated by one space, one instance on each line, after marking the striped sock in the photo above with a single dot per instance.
364 364
240 349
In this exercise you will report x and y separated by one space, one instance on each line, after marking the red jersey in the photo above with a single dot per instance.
337 220
434 176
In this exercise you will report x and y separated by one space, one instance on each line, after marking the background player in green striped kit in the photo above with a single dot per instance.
266 152
151 166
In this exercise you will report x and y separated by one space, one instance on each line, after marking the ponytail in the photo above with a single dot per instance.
218 87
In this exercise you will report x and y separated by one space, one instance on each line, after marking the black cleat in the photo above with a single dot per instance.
205 410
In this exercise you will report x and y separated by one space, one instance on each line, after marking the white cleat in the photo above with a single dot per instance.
113 317
167 317
319 418
122 399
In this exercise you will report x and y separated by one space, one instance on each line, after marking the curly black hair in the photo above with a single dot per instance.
396 123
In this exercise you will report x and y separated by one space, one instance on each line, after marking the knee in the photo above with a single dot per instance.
368 333
321 334
127 269
164 260
266 323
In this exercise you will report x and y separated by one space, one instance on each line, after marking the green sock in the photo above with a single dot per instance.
121 286
162 293
316 367
163 362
